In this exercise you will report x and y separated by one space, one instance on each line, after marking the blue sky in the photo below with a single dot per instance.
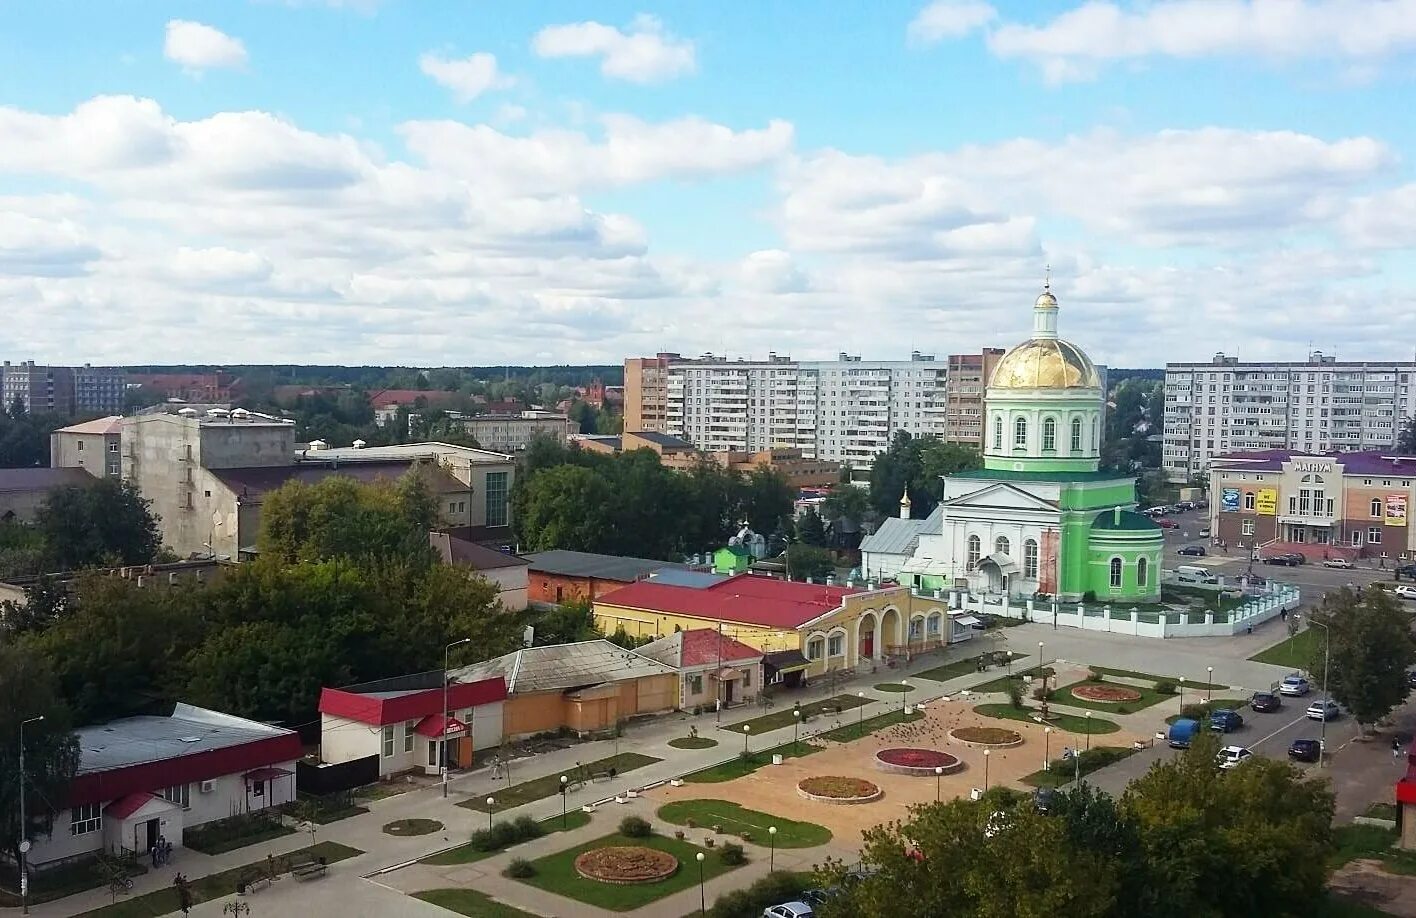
399 182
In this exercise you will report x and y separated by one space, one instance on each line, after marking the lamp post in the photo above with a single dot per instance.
702 897
904 695
1040 645
1046 748
442 740
564 779
1327 648
491 811
772 858
796 730
24 826
1209 684
986 754
1088 716
1182 693
860 709
746 732
938 777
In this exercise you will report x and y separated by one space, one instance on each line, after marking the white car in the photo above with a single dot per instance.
1341 563
1323 710
1293 684
1233 756
789 910
1403 590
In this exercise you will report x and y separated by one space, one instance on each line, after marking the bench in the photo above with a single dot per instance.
251 882
309 869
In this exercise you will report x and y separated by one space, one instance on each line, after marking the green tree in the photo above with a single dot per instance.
1371 650
45 601
917 466
567 623
21 550
565 507
808 561
715 495
106 523
341 517
266 670
767 500
1406 437
810 530
28 689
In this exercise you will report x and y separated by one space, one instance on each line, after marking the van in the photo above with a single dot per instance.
1193 573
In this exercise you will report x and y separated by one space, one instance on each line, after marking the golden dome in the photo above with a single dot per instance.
1045 363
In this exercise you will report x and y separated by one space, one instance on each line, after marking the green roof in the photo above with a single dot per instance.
1010 475
737 550
1130 521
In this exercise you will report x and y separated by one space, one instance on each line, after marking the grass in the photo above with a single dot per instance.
58 882
964 667
215 886
783 718
693 742
1381 811
226 835
1000 684
1295 652
1355 842
749 825
895 687
1151 677
326 815
407 827
740 766
555 873
384 789
1341 907
848 732
1217 704
1064 771
470 902
549 785
1063 695
1068 722
466 854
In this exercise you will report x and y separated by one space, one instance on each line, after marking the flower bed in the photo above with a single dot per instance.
838 789
626 865
995 737
1102 691
918 762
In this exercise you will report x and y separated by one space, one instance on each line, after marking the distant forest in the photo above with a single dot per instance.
371 377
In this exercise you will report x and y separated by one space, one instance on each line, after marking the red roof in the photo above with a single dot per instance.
387 398
381 709
700 646
97 786
747 598
435 725
124 807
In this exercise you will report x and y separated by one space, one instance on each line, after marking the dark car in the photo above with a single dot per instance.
1196 551
1411 678
1265 702
1044 798
1405 570
1225 721
1305 750
1287 560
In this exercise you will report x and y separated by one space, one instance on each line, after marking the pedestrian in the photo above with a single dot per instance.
1283 614
1395 746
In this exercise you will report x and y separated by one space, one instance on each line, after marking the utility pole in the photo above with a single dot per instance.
24 826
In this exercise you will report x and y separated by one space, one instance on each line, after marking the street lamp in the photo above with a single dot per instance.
772 837
986 754
1046 748
24 826
746 732
1209 683
1088 716
1327 647
904 695
442 740
796 730
564 779
1040 645
491 811
860 709
1182 693
938 776
702 897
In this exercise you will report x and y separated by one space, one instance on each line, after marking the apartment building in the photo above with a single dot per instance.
860 404
646 392
62 390
1315 406
964 383
512 433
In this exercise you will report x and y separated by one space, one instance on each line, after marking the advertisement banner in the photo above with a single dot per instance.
1229 500
1266 501
1396 509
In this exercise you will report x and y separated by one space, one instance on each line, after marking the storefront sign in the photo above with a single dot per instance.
1229 500
1396 509
1310 465
1266 501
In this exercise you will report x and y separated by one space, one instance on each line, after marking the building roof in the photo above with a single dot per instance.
251 483
404 452
1057 477
110 425
463 553
560 667
43 479
1376 462
696 580
901 537
663 440
389 398
1124 521
381 703
602 567
699 647
748 599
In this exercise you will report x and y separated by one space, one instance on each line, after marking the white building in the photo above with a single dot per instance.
1314 406
502 569
145 778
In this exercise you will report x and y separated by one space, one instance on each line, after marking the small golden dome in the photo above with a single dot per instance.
1045 300
1045 363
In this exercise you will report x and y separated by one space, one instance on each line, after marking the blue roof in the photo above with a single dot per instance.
693 580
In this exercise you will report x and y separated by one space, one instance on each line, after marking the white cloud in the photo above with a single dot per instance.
945 19
199 47
643 54
466 77
773 271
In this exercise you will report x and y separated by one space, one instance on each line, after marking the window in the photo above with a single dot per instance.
747 678
815 647
113 446
452 506
975 549
1076 435
1096 434
1115 573
1374 535
835 645
916 628
1376 508
85 819
1049 433
179 794
257 788
1020 432
388 741
409 728
1248 500
997 431
695 684
496 498
1356 537
1030 559
81 445
933 626
1001 546
1246 528
1142 571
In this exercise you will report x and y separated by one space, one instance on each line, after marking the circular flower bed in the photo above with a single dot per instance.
919 762
405 827
626 865
838 789
986 736
1111 694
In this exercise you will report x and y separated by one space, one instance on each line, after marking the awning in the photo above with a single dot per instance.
269 773
785 661
124 807
727 675
968 621
434 726
1005 564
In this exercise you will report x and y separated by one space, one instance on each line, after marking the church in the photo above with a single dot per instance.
1040 517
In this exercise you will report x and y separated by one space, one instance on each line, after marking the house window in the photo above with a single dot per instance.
81 446
1115 573
462 506
409 726
975 549
1248 500
1020 432
1076 435
1049 434
933 626
85 819
452 506
1142 571
1246 528
916 628
1374 535
257 788
695 684
388 741
814 648
496 498
998 431
1376 508
835 645
1356 537
113 446
179 794
1001 546
1030 559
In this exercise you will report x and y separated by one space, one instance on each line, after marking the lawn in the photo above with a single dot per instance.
736 768
466 854
747 824
854 731
693 742
555 873
1295 652
1001 683
217 885
1152 678
1381 811
58 882
783 718
549 785
1068 722
1063 695
470 902
964 667
225 835
1374 842
893 687
1064 771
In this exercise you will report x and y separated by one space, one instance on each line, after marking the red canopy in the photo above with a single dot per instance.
124 807
435 725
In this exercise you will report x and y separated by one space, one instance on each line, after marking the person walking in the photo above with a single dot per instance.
1395 747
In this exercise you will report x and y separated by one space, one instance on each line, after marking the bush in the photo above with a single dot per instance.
1093 676
1015 693
481 840
527 828
762 894
635 827
1193 711
732 853
519 869
503 834
1122 709
1165 687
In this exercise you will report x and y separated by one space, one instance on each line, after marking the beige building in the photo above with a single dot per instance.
94 446
646 392
511 433
966 379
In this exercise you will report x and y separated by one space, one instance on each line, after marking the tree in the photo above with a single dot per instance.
341 517
565 507
917 466
103 524
767 500
28 689
265 670
810 530
1406 438
809 562
1371 648
45 601
567 623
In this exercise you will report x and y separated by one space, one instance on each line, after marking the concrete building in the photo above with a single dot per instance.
674 453
512 433
141 779
964 384
1313 406
646 392
62 390
99 390
23 490
94 446
562 576
713 668
504 570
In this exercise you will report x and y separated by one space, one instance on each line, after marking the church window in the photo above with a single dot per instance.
1020 432
1141 571
1115 572
1096 434
1030 559
998 431
1076 435
1001 546
975 549
1049 434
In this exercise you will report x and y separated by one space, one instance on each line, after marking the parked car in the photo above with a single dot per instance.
1185 505
1404 591
1294 684
1405 570
1324 710
1194 551
1265 702
1286 559
1164 523
1044 798
1341 563
819 897
1204 532
789 910
1411 678
1182 732
1225 721
1305 750
1233 756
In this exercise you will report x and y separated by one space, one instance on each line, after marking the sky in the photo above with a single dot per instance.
478 182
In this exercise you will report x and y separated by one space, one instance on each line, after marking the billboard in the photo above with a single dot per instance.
1229 500
1266 501
1396 509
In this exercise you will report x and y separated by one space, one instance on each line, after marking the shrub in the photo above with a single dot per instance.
1093 676
762 894
635 827
481 840
527 828
732 853
1193 711
1089 596
503 835
519 869
1122 709
1165 687
1015 693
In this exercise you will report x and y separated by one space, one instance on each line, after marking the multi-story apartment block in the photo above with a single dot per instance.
62 390
99 390
1313 406
646 393
964 383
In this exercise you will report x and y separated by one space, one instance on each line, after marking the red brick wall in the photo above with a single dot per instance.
546 587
